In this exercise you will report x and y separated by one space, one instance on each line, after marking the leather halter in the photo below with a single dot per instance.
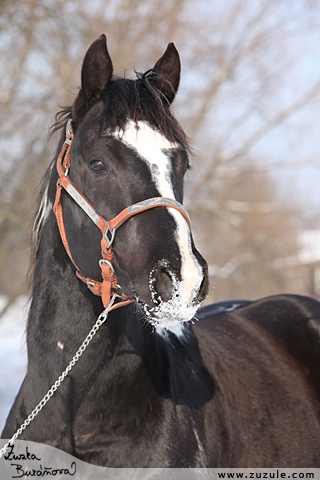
109 285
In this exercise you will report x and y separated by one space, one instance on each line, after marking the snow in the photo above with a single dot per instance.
13 353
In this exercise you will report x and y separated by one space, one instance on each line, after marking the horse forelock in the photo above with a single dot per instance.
140 100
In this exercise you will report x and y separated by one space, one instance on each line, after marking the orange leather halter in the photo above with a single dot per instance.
109 285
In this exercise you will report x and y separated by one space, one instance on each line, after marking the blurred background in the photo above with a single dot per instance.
249 101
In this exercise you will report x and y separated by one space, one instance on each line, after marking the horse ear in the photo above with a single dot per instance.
95 74
169 68
96 68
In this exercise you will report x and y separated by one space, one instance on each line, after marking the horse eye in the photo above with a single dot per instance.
185 166
184 161
97 166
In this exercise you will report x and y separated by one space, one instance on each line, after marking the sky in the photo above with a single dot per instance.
246 101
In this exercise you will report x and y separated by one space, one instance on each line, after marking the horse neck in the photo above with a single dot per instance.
63 310
62 313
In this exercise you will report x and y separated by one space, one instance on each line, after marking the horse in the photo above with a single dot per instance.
240 387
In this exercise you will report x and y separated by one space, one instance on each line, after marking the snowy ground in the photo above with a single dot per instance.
13 354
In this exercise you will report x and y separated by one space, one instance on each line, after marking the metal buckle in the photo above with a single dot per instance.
106 262
111 238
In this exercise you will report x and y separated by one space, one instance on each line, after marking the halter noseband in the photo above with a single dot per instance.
109 285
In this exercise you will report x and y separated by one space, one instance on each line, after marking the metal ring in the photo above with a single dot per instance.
106 262
105 235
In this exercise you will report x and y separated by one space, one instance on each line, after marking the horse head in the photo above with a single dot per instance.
128 147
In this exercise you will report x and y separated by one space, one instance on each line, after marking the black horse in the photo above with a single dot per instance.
240 388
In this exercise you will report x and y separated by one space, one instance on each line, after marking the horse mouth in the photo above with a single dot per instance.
168 313
168 306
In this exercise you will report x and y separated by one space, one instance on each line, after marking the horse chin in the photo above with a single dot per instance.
168 314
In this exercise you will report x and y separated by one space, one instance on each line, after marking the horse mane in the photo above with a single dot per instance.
61 119
138 99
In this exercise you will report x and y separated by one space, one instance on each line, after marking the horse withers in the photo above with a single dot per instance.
240 388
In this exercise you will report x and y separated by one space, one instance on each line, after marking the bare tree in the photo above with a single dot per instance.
238 58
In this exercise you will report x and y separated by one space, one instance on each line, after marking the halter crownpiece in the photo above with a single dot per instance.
109 285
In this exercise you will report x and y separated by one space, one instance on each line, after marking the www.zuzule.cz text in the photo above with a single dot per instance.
278 474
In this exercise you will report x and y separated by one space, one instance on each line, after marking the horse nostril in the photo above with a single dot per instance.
163 285
204 287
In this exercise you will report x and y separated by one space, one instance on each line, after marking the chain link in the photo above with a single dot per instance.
101 319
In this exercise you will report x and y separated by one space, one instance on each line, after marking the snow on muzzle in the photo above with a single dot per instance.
177 299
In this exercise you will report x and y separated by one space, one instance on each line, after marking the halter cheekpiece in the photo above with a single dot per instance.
109 285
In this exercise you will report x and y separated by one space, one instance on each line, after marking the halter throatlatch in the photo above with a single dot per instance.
109 285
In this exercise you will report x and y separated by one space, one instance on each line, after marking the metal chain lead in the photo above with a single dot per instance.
101 319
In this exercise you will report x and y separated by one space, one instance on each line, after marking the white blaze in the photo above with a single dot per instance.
153 148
